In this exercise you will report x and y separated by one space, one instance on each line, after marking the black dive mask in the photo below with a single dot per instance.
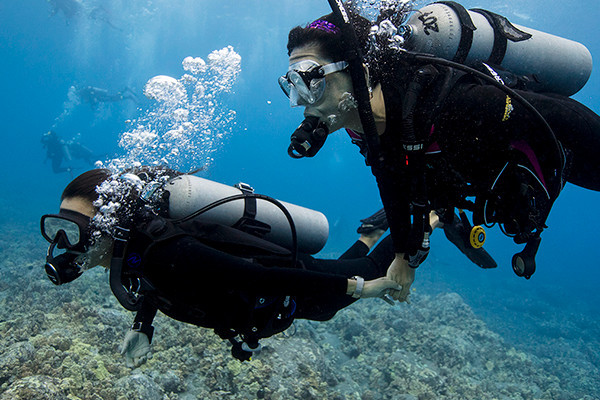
68 230
308 139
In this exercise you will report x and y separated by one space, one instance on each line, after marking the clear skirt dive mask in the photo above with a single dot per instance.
304 83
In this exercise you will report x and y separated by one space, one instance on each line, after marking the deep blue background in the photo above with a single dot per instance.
42 55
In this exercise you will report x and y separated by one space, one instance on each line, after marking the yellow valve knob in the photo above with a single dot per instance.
477 236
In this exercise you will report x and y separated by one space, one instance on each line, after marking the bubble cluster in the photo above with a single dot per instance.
185 126
347 103
387 17
374 9
188 120
69 105
112 193
125 196
386 35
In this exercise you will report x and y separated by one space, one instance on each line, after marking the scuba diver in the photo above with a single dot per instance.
70 8
207 254
101 14
59 150
94 95
74 9
79 151
440 128
56 151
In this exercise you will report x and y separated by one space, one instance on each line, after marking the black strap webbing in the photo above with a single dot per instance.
467 29
249 203
500 41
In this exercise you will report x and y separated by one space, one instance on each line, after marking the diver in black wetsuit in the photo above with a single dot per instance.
208 275
70 8
475 139
59 151
56 151
73 9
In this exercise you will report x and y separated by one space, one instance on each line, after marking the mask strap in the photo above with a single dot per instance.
333 67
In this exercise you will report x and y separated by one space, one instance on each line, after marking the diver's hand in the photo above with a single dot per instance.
135 348
401 273
379 287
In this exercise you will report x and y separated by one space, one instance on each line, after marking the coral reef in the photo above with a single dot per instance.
62 343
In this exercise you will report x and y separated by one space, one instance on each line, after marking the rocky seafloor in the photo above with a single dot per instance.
62 343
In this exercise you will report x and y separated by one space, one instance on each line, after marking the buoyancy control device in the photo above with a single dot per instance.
188 194
191 198
447 30
234 220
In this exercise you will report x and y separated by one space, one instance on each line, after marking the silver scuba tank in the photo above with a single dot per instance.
188 194
447 30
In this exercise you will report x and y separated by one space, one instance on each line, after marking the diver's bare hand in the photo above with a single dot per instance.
379 287
401 273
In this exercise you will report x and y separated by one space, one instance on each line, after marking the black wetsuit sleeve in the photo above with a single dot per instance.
357 250
323 306
187 266
356 261
392 189
383 254
478 129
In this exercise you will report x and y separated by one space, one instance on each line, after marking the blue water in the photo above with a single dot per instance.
43 55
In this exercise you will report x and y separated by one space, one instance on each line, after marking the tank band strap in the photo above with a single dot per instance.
503 32
500 41
467 27
248 222
249 202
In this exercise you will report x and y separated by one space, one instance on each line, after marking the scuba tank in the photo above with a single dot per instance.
447 30
188 194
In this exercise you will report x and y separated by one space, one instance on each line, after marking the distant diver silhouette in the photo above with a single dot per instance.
69 8
59 151
103 15
94 95
72 9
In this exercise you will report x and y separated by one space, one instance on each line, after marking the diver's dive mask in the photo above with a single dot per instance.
304 83
308 138
68 230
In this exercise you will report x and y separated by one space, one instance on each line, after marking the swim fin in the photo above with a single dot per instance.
457 231
374 222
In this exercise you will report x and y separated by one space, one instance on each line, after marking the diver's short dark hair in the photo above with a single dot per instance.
85 185
329 40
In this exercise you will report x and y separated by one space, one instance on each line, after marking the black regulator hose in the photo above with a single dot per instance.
128 299
361 91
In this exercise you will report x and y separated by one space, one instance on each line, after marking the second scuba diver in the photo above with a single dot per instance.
438 136
228 278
